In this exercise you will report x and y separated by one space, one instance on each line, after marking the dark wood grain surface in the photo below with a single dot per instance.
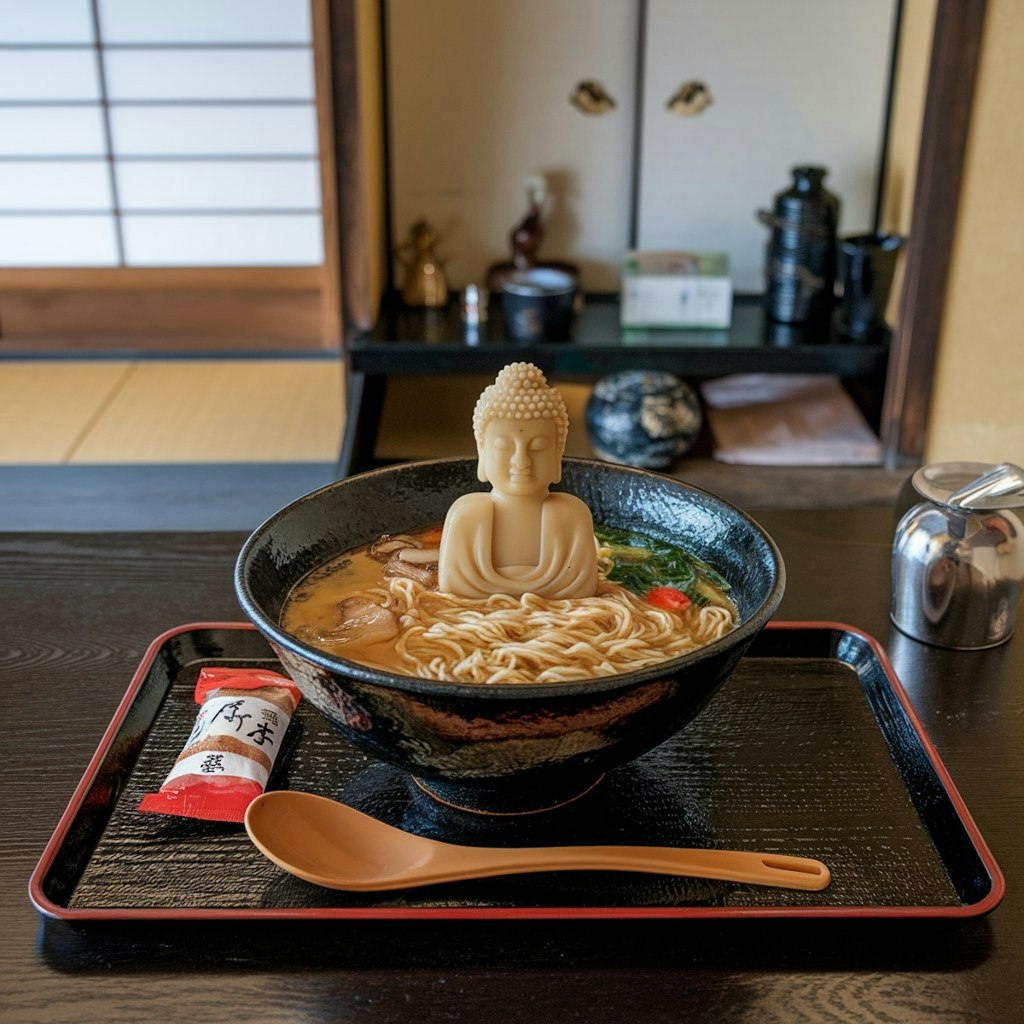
79 611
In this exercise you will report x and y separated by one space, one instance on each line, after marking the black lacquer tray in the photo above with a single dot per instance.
810 748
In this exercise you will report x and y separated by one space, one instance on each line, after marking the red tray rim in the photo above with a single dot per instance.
53 910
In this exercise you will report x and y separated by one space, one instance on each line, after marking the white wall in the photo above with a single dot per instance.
479 100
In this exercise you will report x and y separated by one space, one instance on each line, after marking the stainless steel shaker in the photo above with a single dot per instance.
958 555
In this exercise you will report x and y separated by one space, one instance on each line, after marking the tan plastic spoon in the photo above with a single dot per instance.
338 847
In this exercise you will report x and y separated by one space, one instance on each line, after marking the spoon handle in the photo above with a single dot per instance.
772 869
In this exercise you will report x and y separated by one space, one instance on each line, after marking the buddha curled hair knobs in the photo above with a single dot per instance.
520 392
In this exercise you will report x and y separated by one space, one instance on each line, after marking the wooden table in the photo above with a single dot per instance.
79 611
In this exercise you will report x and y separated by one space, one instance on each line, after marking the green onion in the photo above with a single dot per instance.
641 563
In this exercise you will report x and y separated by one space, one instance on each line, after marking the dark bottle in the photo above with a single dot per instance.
800 268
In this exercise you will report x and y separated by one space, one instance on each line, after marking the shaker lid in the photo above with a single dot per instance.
972 485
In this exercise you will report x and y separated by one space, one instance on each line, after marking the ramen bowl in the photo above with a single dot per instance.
513 747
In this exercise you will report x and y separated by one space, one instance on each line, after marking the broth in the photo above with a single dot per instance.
362 606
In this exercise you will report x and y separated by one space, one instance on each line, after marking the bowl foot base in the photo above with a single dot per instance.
508 800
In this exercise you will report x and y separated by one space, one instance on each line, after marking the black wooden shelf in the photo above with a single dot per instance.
436 342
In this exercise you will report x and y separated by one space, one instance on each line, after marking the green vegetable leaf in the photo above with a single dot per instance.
641 563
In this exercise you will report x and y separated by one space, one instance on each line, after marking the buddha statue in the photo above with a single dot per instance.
519 538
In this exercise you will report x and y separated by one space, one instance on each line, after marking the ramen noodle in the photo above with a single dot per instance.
530 639
392 616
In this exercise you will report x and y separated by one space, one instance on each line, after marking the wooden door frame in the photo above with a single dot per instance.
351 193
953 67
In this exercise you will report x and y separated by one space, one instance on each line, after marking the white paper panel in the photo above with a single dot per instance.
57 185
45 21
215 21
209 74
82 241
793 82
241 240
48 75
42 131
480 100
205 184
198 131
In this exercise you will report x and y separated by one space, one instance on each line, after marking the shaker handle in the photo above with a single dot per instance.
1004 479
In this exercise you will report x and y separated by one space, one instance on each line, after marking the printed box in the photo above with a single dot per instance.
676 289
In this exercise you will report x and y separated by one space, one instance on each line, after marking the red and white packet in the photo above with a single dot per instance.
228 757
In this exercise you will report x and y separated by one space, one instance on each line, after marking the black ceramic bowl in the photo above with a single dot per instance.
511 747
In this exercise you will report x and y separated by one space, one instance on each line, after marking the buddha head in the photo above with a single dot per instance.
520 425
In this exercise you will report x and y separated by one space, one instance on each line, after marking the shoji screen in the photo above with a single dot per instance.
146 133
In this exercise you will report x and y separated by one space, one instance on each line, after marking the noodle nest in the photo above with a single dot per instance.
530 639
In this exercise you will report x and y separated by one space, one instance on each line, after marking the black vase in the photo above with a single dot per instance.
800 268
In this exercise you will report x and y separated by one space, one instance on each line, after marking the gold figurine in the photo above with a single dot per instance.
425 282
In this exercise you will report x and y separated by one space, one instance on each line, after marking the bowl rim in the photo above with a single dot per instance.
339 666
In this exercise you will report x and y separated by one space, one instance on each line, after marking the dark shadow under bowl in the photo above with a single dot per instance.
512 747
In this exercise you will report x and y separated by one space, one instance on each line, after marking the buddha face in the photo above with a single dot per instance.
520 457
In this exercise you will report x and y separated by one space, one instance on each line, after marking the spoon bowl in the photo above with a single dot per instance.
337 847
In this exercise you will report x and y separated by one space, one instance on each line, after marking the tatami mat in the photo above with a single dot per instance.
46 409
228 411
171 411
221 411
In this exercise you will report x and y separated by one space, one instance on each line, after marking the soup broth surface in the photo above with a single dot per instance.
363 606
313 605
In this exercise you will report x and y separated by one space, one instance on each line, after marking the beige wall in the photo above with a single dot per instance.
978 400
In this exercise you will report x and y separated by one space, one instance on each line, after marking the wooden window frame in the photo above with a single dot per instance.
85 308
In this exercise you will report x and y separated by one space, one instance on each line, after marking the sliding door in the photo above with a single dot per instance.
182 139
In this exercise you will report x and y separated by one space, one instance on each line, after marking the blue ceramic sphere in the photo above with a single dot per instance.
642 418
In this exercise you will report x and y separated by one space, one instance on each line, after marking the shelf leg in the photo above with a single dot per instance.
363 412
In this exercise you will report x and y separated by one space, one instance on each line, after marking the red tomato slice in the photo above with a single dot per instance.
668 598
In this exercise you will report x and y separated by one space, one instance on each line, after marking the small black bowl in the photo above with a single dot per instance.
506 748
